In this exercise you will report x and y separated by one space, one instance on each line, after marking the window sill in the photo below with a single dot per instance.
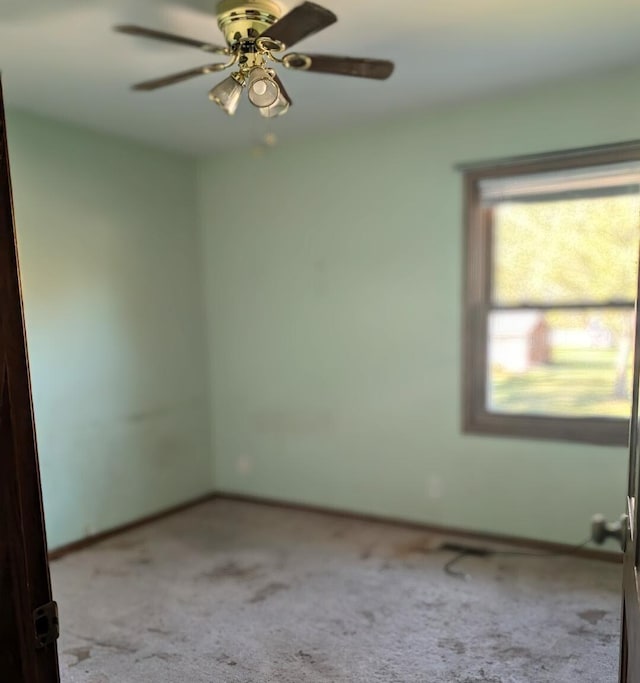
598 431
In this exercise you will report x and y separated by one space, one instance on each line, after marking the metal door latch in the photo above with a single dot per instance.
46 624
601 530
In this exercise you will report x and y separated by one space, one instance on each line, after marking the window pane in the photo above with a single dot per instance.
561 363
569 251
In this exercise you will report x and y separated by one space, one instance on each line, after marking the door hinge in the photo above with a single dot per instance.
46 624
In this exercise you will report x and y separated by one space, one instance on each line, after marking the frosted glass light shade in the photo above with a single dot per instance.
278 108
227 94
263 90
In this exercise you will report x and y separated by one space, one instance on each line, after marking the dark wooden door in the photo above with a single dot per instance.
28 620
630 635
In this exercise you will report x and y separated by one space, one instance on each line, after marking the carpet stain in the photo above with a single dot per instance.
422 546
593 616
141 561
426 605
369 616
161 631
305 656
116 647
164 656
515 652
118 573
342 627
366 553
231 570
267 591
483 679
453 645
124 544
80 653
581 632
606 638
225 659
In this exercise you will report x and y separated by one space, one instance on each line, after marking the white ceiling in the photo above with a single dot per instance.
61 59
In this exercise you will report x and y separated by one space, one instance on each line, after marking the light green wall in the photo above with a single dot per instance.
333 295
108 240
332 319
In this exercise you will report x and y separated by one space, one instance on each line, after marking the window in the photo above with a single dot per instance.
551 279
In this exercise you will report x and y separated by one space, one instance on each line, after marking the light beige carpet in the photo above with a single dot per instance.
234 592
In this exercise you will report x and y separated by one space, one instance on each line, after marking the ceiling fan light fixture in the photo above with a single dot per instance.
227 93
278 108
263 89
256 32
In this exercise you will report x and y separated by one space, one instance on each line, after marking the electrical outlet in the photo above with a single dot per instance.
244 465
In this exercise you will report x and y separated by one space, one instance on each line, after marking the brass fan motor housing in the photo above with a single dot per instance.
243 20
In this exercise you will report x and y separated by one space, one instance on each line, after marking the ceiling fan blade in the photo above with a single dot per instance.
177 78
169 38
302 21
344 66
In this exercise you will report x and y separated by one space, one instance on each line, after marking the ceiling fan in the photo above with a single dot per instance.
256 33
